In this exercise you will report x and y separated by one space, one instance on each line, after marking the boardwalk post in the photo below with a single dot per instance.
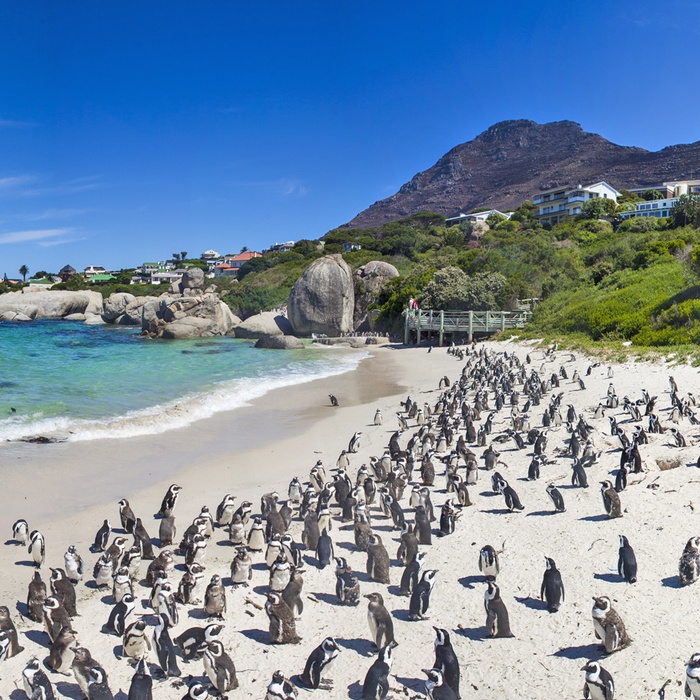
405 328
470 337
442 327
418 314
488 321
503 321
430 327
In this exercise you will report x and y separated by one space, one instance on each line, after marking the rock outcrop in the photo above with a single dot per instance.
115 305
369 280
513 160
190 316
279 342
51 304
267 323
323 298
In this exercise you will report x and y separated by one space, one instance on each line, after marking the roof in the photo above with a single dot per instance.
248 255
67 268
102 278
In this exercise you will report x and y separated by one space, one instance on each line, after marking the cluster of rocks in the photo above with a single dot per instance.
327 300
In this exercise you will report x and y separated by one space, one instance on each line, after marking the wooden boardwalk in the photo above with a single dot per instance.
461 322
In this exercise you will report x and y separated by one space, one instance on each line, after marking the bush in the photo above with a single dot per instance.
638 224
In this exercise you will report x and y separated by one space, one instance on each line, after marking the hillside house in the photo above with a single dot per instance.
671 190
477 216
556 205
92 270
658 208
280 247
66 272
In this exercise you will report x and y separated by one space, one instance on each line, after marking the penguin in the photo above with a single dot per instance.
354 444
376 683
8 627
189 589
381 625
291 594
20 532
324 550
282 626
280 688
219 667
205 514
193 640
55 617
578 474
102 537
135 642
37 548
97 685
436 687
164 647
333 400
167 532
627 562
115 550
164 562
319 661
82 663
36 596
689 565
143 539
225 510
215 598
291 550
241 568
692 677
132 561
422 526
557 498
196 691
599 683
408 546
169 500
552 589
511 497
103 571
63 589
141 687
377 560
347 586
122 584
116 624
611 500
446 660
488 562
420 598
411 574
294 491
244 511
4 644
378 417
621 477
74 565
608 625
126 516
236 531
256 536
280 573
195 553
448 518
36 684
497 622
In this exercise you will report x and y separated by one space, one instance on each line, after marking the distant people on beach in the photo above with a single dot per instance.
412 304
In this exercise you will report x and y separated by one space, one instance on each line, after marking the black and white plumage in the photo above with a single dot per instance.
626 561
557 498
37 548
116 624
20 532
126 516
215 598
608 625
347 585
141 687
497 620
411 574
446 660
36 684
169 500
376 683
552 589
102 537
692 677
98 686
7 627
599 683
165 649
319 661
280 688
611 500
193 640
689 564
219 667
74 564
354 444
381 624
324 549
511 497
488 561
436 687
420 598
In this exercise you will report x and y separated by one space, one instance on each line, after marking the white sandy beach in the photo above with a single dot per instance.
66 490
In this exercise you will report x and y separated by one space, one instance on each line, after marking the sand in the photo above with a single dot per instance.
66 490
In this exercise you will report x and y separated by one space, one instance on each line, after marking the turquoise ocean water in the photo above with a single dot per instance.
77 382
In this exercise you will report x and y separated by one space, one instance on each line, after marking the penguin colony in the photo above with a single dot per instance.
167 609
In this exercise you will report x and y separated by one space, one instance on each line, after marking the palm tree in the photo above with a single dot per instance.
183 255
24 271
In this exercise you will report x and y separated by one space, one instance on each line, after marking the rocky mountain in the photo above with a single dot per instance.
513 160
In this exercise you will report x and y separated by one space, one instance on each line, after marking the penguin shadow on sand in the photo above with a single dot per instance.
198 614
22 609
601 517
671 582
476 634
542 512
531 603
609 578
72 691
363 647
256 635
39 637
346 545
329 598
592 652
25 562
469 581
354 690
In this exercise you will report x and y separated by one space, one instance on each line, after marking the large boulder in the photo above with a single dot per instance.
52 304
279 342
192 279
187 316
267 323
323 298
116 304
14 317
369 280
189 327
133 312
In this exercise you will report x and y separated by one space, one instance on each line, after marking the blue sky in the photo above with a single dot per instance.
131 130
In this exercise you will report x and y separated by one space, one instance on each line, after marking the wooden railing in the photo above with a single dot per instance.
464 322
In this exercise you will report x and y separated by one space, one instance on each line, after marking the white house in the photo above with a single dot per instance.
477 216
91 270
672 189
209 255
658 208
553 206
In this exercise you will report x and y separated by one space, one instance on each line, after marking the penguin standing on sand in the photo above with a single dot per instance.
354 444
36 684
36 595
578 474
511 497
411 574
136 643
98 689
102 537
7 626
446 660
219 667
599 683
82 663
552 590
141 687
608 625
241 568
215 598
282 625
436 687
378 417
169 500
142 538
37 548
74 564
291 594
689 565
347 586
611 500
63 589
167 531
280 688
497 622
557 498
320 661
488 562
116 624
324 550
193 640
626 561
60 652
376 684
126 516
381 625
165 649
20 532
420 598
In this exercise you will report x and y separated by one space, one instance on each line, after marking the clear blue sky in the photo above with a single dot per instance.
130 130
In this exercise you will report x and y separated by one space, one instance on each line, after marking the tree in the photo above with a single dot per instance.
452 289
40 275
494 219
183 255
686 211
597 208
244 249
650 195
24 270
176 257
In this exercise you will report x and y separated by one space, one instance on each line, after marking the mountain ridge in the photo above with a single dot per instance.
512 160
